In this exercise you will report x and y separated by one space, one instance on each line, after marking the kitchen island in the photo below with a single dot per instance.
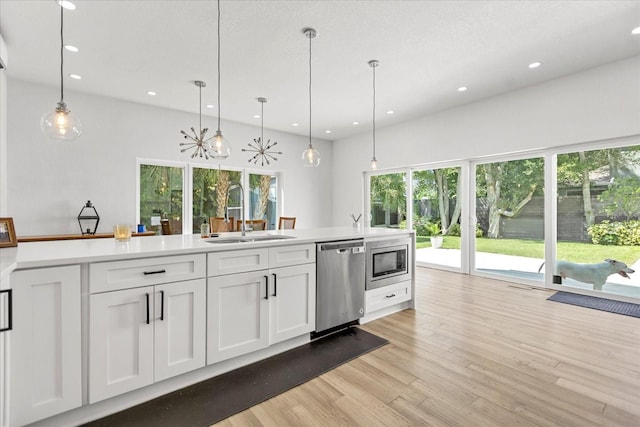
99 325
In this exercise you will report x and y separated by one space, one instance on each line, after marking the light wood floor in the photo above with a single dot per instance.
476 352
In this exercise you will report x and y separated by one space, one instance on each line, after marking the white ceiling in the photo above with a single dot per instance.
427 49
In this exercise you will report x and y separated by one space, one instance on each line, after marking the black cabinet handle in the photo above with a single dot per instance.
146 273
266 283
390 296
9 293
147 296
161 305
275 284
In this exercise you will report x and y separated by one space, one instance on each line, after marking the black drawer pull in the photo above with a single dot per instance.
266 282
146 273
161 305
275 284
390 296
9 293
147 296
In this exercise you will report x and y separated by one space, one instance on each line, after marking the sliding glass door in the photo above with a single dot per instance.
509 212
437 211
598 220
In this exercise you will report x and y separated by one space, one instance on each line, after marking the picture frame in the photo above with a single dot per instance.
7 233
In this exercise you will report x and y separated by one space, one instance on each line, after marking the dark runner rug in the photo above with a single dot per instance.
213 400
603 304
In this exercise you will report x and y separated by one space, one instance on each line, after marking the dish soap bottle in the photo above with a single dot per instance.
204 230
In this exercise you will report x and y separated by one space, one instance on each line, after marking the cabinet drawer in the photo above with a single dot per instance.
242 261
284 256
376 299
115 275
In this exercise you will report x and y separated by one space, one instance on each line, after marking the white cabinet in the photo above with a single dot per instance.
250 311
238 315
292 302
142 335
45 351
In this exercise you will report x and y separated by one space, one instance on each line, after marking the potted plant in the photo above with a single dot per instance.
436 234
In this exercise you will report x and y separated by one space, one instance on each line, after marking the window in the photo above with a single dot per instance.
212 192
388 200
169 190
161 189
263 199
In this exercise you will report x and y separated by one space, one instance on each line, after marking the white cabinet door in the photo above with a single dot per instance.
179 322
121 342
45 343
293 301
237 315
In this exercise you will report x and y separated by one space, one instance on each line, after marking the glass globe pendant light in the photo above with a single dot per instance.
60 124
374 162
219 147
311 156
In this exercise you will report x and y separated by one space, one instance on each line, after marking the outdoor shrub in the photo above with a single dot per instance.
624 233
454 230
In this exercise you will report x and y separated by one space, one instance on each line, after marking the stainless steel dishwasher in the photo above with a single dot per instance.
340 283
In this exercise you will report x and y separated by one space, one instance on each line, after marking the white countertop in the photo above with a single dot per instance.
64 252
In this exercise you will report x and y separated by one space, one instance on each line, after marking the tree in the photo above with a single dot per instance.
623 197
390 191
508 187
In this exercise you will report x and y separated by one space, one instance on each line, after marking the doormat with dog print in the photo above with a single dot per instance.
603 304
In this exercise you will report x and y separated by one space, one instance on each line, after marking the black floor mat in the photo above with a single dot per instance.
603 304
215 399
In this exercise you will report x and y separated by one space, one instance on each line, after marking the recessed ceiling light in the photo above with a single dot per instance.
294 124
71 48
256 116
356 123
462 89
67 4
635 31
327 131
390 112
209 105
152 93
75 76
535 65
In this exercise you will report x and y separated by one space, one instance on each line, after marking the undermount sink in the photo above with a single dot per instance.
249 239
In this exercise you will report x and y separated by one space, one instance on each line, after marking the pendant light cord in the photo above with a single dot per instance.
218 65
374 112
310 37
262 121
61 54
200 107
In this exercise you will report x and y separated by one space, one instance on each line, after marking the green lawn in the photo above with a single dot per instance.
577 252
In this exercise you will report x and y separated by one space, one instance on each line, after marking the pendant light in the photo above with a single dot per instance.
310 157
219 148
261 148
198 143
374 162
60 124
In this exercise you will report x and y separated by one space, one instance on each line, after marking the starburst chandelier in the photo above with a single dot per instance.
259 147
198 143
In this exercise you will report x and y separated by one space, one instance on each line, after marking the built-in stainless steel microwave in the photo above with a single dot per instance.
388 262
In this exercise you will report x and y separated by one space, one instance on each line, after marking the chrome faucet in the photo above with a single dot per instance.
226 209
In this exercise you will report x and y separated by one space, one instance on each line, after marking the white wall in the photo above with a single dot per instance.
596 104
48 182
3 129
